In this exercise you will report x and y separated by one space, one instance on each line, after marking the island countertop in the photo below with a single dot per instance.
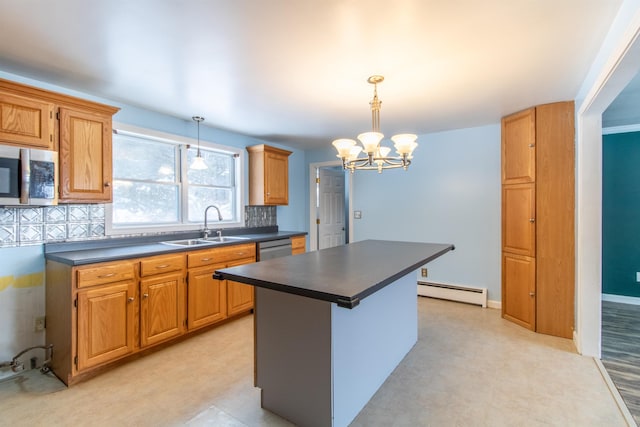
344 275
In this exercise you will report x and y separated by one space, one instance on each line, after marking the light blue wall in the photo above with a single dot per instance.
450 194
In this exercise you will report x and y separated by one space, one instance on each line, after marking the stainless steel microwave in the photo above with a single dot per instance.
28 177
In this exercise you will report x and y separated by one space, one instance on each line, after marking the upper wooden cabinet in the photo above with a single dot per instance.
268 175
85 156
26 122
79 129
538 250
518 147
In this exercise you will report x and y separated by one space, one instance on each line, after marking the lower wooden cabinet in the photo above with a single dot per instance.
162 300
519 302
298 245
106 323
100 313
239 296
207 297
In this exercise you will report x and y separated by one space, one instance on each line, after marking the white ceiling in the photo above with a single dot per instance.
294 71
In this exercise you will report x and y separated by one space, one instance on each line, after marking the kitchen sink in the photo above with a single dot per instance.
204 242
188 242
222 239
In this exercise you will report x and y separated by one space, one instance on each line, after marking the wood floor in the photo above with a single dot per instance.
621 351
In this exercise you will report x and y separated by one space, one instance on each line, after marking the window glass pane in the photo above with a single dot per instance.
136 158
201 197
145 203
219 170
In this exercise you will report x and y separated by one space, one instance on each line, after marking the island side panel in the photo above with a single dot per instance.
293 356
369 341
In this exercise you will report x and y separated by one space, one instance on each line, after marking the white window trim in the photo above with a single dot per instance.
135 131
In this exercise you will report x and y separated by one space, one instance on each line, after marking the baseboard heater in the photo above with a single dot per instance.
466 294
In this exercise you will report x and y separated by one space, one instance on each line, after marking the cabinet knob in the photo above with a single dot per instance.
145 295
532 220
532 294
531 145
130 299
107 184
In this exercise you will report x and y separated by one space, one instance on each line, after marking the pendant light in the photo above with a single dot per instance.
198 162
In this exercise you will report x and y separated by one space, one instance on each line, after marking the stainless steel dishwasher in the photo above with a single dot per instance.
274 249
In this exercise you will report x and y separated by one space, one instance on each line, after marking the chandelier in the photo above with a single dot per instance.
376 155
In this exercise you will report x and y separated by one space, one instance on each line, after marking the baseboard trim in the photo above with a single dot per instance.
615 394
621 299
494 304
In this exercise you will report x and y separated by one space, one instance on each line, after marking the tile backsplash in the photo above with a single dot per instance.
37 225
260 216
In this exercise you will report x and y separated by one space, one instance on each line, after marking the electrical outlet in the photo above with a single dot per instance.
38 324
423 272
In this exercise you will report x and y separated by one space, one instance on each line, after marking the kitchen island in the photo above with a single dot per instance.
331 325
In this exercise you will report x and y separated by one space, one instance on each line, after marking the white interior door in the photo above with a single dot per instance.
331 214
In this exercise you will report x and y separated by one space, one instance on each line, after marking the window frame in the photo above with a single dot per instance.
185 225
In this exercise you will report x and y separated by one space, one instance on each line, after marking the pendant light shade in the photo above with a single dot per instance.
198 162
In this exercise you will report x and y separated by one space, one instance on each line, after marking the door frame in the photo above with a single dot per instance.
313 230
617 70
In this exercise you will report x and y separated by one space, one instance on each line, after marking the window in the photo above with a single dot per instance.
154 189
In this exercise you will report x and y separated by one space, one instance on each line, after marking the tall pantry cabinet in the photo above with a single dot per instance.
538 251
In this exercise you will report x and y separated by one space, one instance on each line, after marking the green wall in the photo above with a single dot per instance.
621 213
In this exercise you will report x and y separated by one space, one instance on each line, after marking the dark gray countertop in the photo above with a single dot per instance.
344 274
89 252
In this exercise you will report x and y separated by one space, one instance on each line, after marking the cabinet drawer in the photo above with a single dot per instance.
200 258
104 273
229 253
161 264
298 242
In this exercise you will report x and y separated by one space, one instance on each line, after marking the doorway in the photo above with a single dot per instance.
329 205
617 71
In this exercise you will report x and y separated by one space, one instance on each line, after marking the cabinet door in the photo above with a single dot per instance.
518 219
26 122
518 147
105 323
85 156
518 290
239 296
276 179
206 297
298 245
162 304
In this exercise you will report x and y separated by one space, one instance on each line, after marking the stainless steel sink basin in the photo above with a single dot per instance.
204 242
188 242
223 239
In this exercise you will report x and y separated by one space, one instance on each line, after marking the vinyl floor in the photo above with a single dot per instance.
621 351
469 367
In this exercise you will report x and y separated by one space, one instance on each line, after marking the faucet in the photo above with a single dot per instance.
205 232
